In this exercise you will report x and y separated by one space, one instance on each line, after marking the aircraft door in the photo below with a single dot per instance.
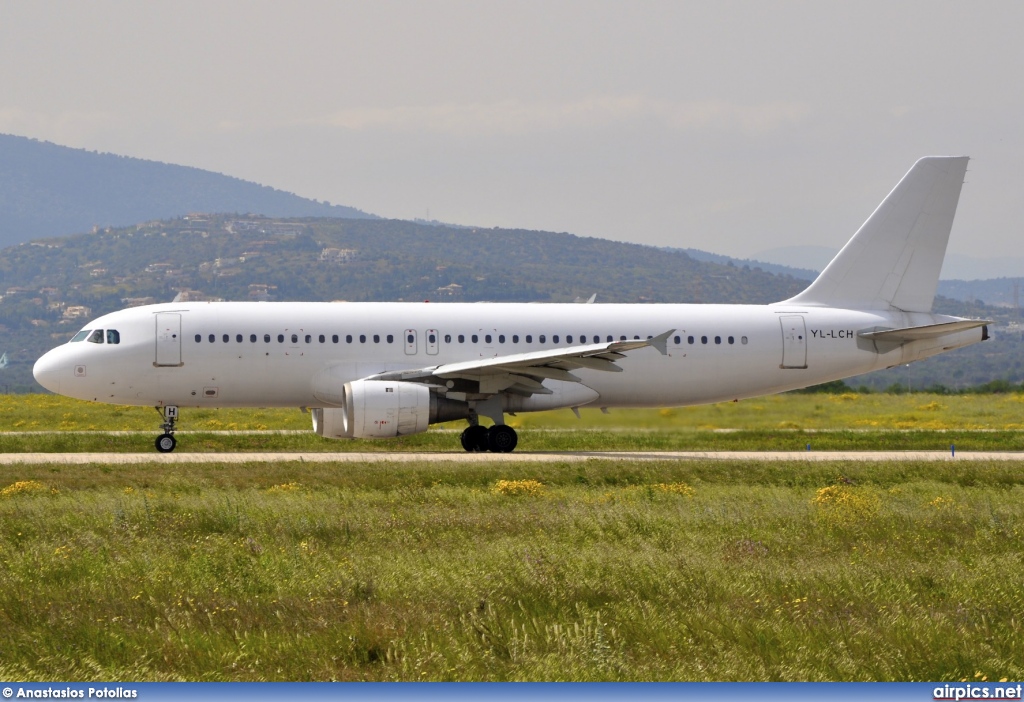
432 342
410 342
168 339
794 341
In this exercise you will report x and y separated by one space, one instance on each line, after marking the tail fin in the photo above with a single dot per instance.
895 257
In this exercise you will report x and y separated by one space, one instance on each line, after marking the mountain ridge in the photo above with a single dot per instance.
51 190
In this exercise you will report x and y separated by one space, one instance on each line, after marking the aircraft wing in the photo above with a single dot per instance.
524 373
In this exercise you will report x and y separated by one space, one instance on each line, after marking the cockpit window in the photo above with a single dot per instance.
81 335
113 336
96 337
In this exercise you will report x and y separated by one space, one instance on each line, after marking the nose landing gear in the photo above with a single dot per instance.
166 442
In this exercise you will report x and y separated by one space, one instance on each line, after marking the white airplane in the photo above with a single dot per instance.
373 370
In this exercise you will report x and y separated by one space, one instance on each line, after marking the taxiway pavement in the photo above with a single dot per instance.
518 457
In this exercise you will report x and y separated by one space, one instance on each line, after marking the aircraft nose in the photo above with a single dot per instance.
46 371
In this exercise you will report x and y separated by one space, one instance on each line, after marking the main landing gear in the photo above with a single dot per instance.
166 442
500 438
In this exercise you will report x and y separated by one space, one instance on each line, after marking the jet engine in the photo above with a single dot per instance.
377 409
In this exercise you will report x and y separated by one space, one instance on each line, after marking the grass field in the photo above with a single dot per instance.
872 411
782 422
605 570
599 571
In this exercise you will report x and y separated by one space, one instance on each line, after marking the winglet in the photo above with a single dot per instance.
660 342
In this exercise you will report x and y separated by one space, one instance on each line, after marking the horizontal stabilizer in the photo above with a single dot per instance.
928 331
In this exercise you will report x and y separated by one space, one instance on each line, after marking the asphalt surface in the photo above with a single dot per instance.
517 457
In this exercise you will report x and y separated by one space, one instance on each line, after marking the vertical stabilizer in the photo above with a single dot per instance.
895 257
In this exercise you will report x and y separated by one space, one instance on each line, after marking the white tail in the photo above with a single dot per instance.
894 259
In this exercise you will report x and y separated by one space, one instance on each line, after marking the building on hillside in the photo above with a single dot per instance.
137 301
450 289
260 292
76 312
338 256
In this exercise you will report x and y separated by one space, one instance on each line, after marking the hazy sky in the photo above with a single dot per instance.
726 126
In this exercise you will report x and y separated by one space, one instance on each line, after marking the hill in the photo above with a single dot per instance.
51 190
998 292
51 287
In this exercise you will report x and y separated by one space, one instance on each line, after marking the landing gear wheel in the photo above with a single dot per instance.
502 438
165 443
474 438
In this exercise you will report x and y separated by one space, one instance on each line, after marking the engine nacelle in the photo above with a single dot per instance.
378 409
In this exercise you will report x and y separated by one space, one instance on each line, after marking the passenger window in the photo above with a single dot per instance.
743 339
391 338
410 339
96 337
266 338
462 339
348 338
238 338
334 338
376 338
487 338
541 338
226 338
703 340
568 338
689 340
554 339
718 339
447 338
529 338
252 338
362 338
432 338
610 338
474 338
622 338
113 336
84 333
678 340
310 338
501 338
323 338
199 338
732 340
295 338
515 338
213 338
280 338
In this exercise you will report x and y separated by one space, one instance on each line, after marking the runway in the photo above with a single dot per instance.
518 457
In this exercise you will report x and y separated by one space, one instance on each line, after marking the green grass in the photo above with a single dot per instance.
782 422
895 571
777 412
533 440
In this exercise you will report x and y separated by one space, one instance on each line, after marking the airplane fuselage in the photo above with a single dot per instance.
241 354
